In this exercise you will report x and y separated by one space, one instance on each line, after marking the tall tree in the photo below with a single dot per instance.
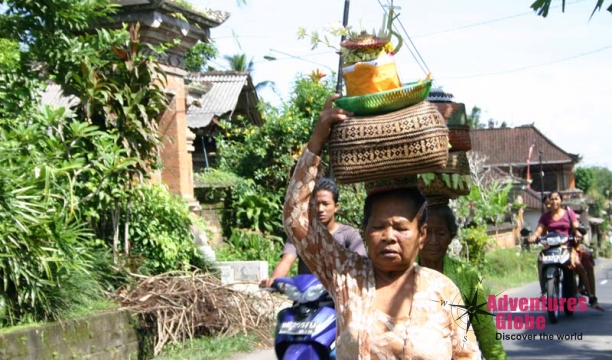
473 119
238 62
603 180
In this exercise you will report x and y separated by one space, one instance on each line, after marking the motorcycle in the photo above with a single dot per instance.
307 329
556 277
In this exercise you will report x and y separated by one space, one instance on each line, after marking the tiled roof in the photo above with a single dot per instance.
225 90
510 146
53 95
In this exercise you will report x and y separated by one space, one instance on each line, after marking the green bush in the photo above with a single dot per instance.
249 245
43 243
160 231
475 241
352 198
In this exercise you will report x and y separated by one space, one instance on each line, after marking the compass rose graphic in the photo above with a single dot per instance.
471 308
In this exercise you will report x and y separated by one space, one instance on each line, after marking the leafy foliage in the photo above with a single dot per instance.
476 240
239 62
264 156
351 200
585 179
120 90
197 57
603 180
483 206
42 240
249 245
69 180
543 6
159 230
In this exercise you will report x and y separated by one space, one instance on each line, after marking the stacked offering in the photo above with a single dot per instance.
394 132
454 180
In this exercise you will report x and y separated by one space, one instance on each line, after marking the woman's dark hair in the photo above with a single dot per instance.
328 184
413 195
448 216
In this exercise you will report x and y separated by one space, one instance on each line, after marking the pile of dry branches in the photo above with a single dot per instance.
178 306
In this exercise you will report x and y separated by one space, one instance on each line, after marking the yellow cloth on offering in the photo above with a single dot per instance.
370 77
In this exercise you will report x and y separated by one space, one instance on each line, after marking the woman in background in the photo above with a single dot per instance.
441 229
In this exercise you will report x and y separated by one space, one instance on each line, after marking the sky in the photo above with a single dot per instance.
518 67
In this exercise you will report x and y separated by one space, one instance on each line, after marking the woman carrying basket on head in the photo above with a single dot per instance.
388 306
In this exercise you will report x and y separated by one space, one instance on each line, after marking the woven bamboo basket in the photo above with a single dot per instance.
377 186
405 142
438 187
459 138
457 163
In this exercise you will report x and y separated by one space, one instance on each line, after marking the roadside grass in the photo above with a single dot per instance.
211 348
89 307
508 268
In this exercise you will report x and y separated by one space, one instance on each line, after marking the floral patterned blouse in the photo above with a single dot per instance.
364 332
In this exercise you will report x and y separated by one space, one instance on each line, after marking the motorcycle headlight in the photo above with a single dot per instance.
314 292
292 292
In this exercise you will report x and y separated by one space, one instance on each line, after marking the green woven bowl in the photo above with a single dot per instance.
386 101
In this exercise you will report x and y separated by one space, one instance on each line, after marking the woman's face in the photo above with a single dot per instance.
555 201
392 236
438 237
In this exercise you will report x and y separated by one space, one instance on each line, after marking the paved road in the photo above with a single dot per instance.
594 327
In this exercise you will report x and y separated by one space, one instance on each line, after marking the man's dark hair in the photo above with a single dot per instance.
328 184
413 195
449 217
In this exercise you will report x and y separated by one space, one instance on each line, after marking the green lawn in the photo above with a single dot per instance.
508 268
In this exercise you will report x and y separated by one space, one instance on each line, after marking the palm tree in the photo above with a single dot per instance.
238 62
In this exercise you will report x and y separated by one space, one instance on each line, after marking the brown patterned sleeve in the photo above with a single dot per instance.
311 238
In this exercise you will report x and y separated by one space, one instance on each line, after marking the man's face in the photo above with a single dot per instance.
326 206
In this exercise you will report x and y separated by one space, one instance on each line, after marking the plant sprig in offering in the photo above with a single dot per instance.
361 46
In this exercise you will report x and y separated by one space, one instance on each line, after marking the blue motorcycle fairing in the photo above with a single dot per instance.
325 333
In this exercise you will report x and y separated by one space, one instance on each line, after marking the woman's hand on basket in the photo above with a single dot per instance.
329 116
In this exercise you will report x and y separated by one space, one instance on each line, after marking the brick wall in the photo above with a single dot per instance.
504 239
104 336
176 156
